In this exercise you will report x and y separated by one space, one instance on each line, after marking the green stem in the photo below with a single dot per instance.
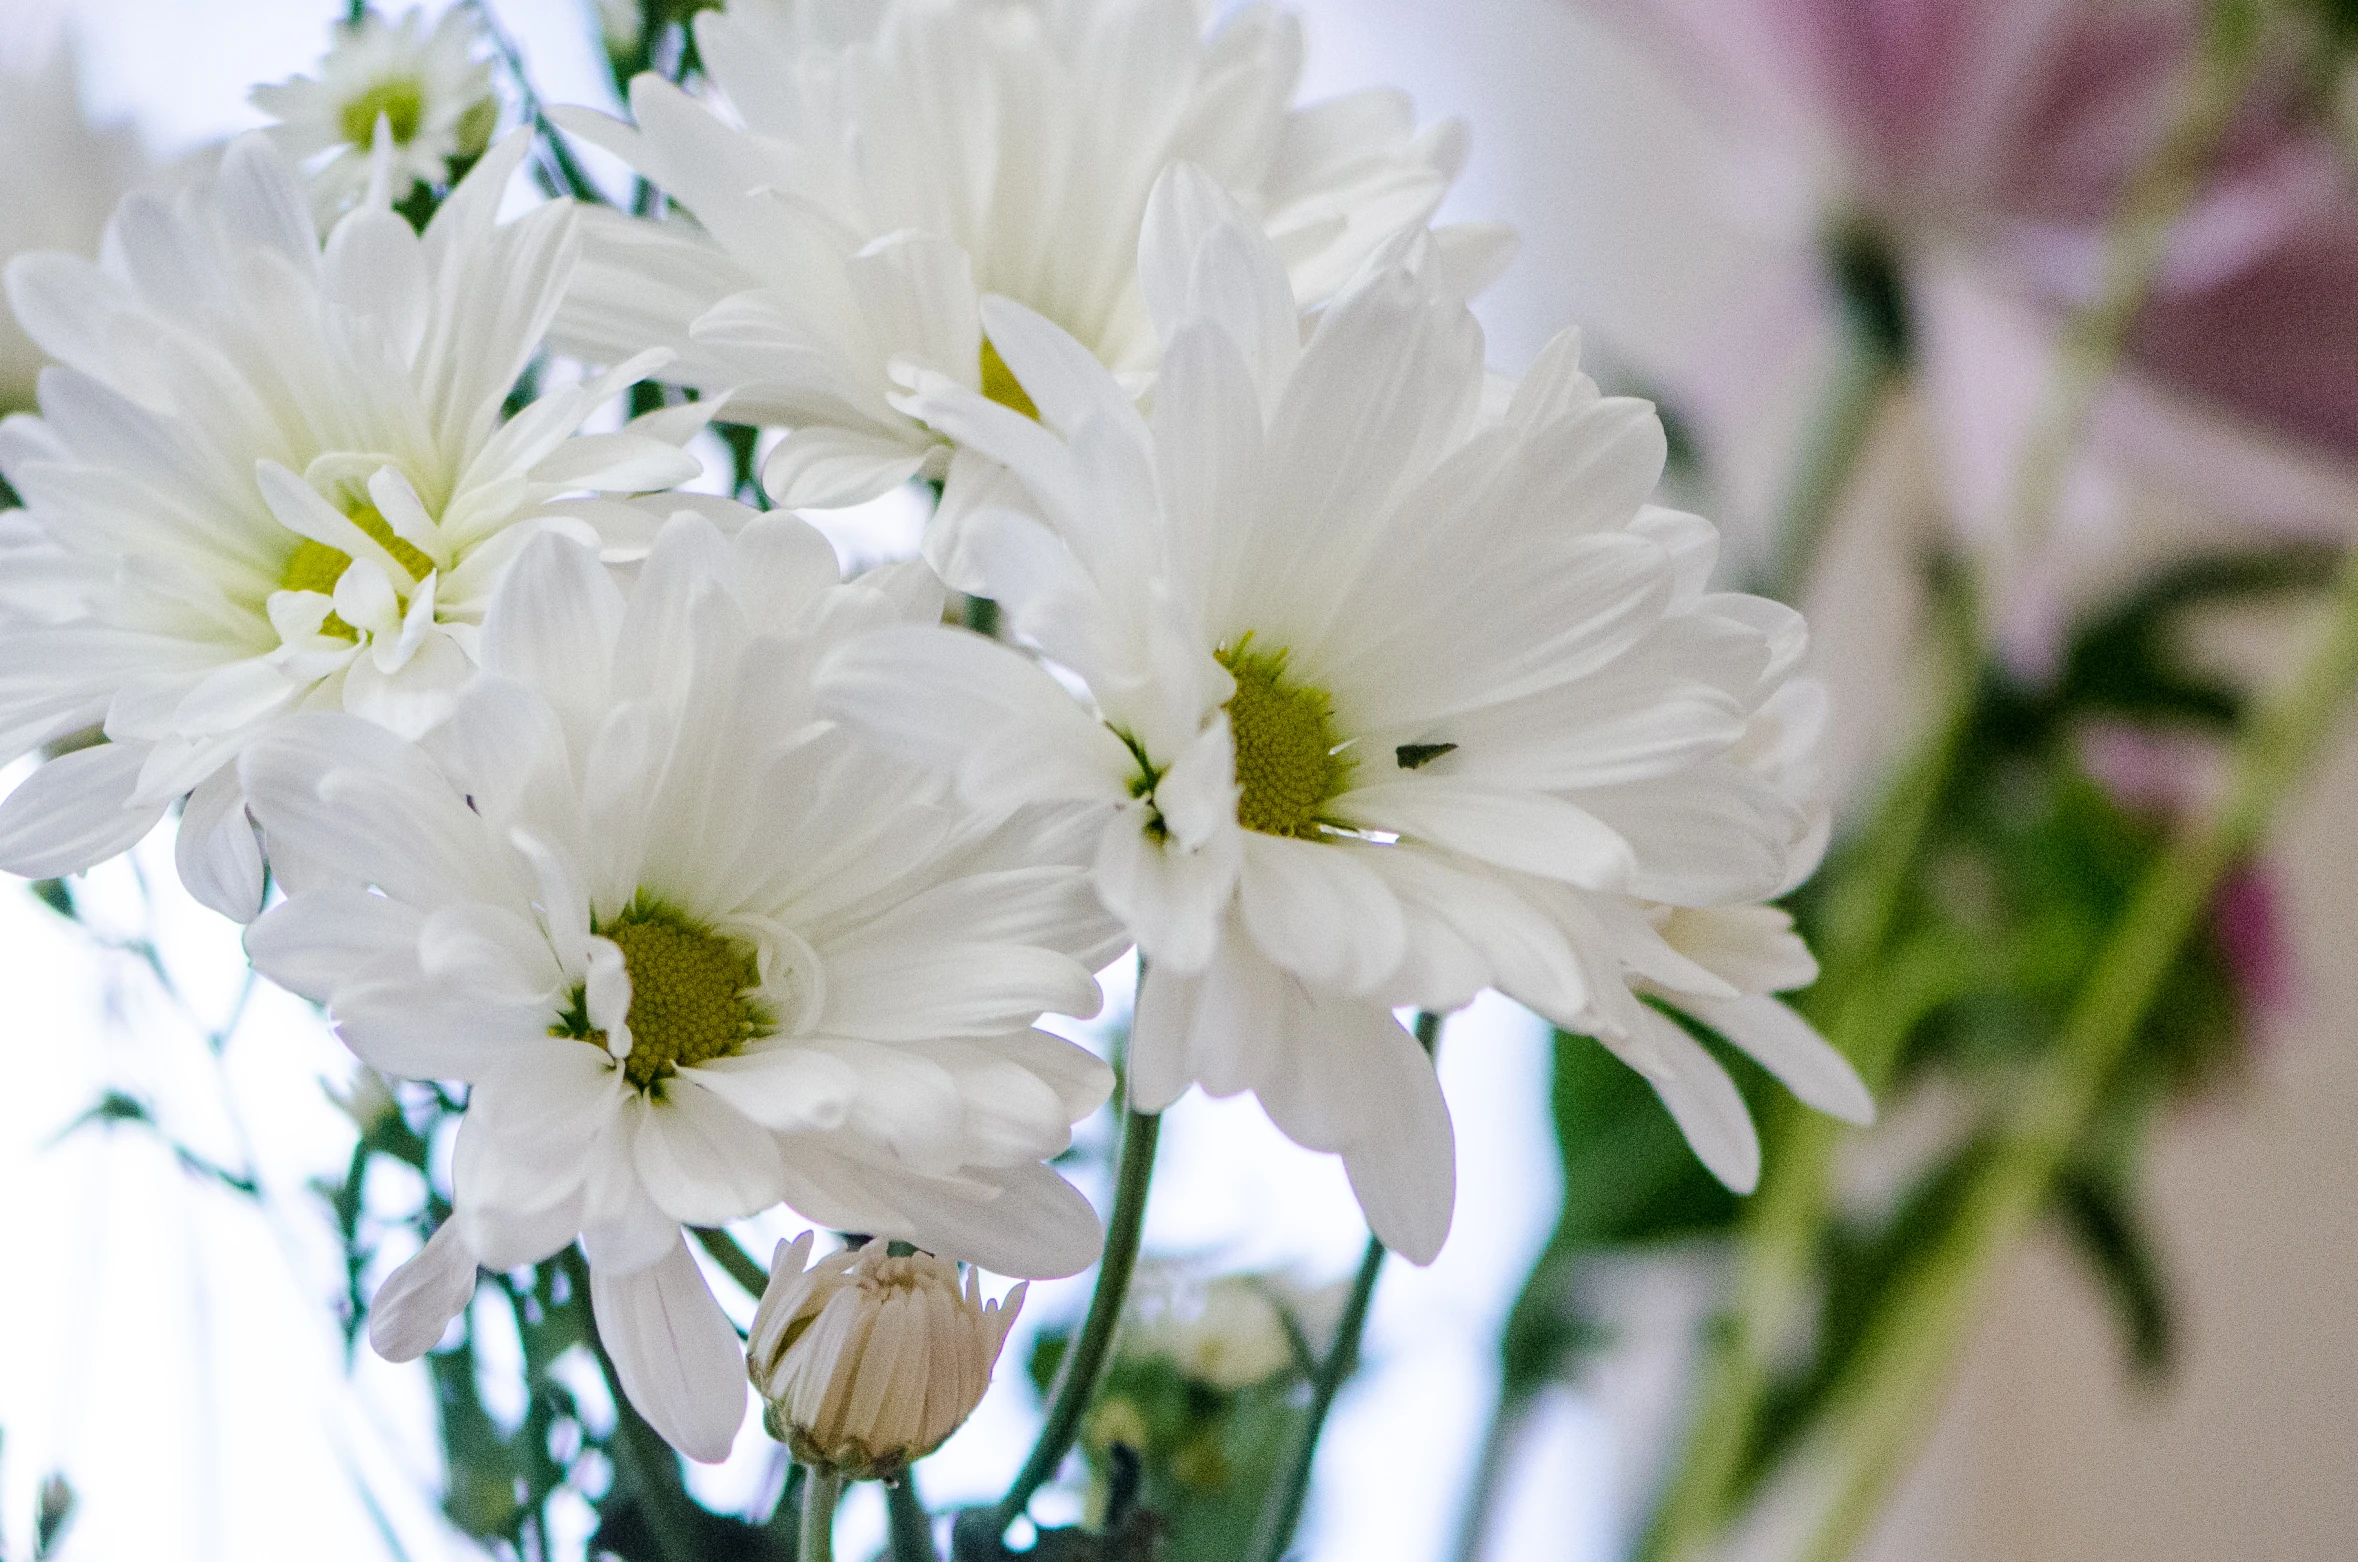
1292 1487
1783 1224
910 1527
1507 1419
568 177
742 1266
1868 366
2095 335
1895 1386
1085 1362
1282 1510
822 1489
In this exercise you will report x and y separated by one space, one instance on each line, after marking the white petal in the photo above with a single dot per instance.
412 1309
1701 1097
219 857
704 1162
75 811
1788 1047
968 706
1320 912
1532 832
674 1351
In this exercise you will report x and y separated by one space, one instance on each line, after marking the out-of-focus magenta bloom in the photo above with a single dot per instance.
2004 133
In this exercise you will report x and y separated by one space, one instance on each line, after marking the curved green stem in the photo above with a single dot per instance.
1282 1510
1292 1486
1085 1361
1781 1228
821 1491
1895 1386
1866 368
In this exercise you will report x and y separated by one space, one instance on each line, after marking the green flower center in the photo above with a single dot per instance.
1000 384
691 993
317 567
1288 760
403 103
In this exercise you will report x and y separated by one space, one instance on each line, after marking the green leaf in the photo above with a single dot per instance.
2100 1219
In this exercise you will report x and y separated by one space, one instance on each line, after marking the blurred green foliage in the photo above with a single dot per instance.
2029 863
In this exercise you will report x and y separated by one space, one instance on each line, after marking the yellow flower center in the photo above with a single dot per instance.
317 567
402 101
692 993
1289 763
1000 384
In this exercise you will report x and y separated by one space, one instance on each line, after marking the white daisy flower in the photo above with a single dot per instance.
59 177
696 949
1397 696
888 163
432 92
273 474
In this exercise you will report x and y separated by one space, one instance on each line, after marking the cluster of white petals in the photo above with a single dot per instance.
695 950
1339 676
1402 690
875 168
270 474
866 1362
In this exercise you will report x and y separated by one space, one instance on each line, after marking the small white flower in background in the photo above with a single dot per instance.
899 159
697 950
1231 1330
273 474
432 92
866 1362
1400 693
59 178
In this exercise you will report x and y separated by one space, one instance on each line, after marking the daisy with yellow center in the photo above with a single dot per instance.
1391 699
695 950
426 86
294 489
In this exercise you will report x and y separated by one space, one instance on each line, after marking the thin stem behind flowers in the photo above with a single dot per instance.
821 1490
1282 1511
1084 1363
2095 335
1782 1227
1885 1408
910 1528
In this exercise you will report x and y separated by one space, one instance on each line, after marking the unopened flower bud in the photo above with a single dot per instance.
866 1362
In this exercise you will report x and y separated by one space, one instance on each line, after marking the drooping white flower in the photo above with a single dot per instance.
59 177
696 949
1398 696
273 474
866 1362
878 167
428 86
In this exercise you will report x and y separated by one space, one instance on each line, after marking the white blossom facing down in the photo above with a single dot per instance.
427 86
866 1362
1399 693
696 949
873 170
274 473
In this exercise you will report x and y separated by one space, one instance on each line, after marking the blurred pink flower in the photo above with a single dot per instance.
1986 146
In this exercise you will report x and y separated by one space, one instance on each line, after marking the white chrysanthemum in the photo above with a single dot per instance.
428 87
866 1362
1398 696
696 949
900 158
273 474
59 178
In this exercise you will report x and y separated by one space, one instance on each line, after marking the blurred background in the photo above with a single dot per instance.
175 1143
